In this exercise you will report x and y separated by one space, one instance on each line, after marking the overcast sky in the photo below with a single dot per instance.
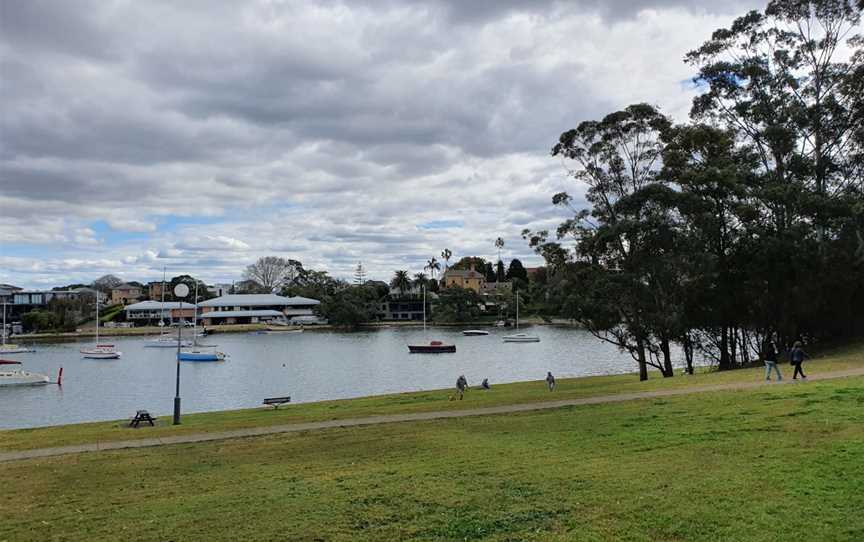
200 135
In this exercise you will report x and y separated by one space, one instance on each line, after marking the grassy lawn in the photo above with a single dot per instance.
777 463
523 392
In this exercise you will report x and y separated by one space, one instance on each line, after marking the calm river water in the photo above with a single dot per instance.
309 366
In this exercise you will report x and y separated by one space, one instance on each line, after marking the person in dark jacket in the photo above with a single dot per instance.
550 381
769 356
796 358
485 384
461 386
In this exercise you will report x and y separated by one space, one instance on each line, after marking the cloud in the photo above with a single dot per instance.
332 132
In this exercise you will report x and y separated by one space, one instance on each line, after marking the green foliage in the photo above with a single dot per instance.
350 307
457 305
39 320
746 223
516 271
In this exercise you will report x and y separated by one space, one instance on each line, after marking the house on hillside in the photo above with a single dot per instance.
255 308
464 278
125 294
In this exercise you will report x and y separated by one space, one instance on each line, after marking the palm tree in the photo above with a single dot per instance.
401 281
420 280
433 266
446 254
499 244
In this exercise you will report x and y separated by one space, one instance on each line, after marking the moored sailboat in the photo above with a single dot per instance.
434 347
99 351
520 337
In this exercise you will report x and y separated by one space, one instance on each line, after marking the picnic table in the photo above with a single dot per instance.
142 416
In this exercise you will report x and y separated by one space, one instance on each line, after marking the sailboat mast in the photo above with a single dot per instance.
194 316
517 309
162 305
97 318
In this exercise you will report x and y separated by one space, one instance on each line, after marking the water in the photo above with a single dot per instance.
309 366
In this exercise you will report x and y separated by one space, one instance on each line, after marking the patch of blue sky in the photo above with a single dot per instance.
110 236
441 224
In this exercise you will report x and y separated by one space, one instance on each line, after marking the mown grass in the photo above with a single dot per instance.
777 463
436 400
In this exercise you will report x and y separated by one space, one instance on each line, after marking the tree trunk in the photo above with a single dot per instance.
725 364
668 371
643 364
688 353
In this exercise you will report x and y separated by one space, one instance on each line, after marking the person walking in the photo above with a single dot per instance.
550 381
461 385
769 356
796 358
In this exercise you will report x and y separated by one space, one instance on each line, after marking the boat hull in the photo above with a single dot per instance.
15 349
22 378
159 343
518 339
432 349
95 354
201 356
474 332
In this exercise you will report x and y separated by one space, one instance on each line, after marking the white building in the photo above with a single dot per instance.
150 311
254 308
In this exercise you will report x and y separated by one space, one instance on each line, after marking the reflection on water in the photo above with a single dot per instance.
309 366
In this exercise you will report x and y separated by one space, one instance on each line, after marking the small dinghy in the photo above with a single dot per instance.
474 332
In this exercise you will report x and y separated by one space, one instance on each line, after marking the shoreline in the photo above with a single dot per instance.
247 328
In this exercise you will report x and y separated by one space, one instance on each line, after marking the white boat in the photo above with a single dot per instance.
17 377
198 352
474 332
520 337
99 351
11 348
166 341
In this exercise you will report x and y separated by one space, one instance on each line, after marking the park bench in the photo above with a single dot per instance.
142 416
276 401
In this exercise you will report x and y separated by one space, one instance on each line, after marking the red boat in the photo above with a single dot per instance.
434 347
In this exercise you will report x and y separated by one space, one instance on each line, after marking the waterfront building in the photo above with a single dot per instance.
149 312
254 308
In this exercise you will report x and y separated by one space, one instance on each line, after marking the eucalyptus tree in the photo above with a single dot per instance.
615 157
273 272
783 81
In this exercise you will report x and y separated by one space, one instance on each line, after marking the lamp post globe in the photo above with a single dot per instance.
180 291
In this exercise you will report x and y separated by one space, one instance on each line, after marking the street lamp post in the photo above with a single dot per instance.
180 292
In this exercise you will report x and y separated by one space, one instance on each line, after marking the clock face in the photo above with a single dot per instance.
181 290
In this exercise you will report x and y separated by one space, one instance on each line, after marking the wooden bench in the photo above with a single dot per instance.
276 401
142 416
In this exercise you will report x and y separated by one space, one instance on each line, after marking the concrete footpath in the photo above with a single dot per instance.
394 418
